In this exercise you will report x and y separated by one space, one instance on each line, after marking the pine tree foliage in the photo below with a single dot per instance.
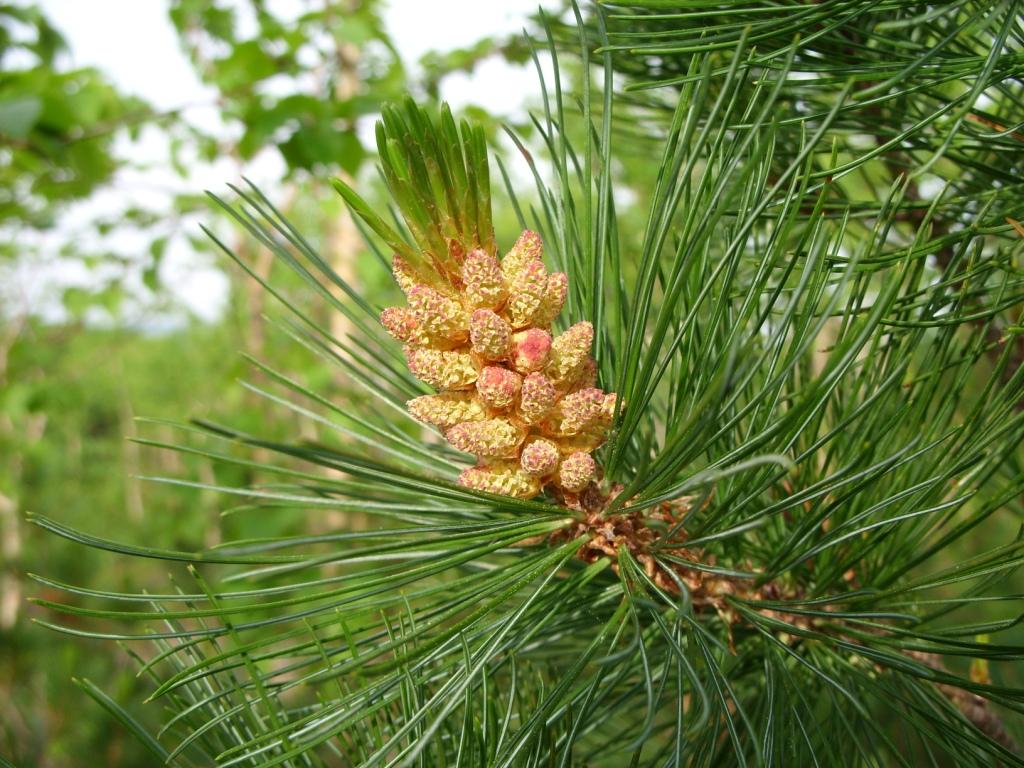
806 548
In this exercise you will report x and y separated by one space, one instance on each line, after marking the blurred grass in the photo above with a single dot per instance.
67 410
66 416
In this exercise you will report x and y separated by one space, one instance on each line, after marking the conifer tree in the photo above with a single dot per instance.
738 484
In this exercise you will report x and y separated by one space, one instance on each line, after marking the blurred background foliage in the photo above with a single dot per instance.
73 379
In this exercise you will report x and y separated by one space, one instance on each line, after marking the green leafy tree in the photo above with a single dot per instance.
55 124
799 544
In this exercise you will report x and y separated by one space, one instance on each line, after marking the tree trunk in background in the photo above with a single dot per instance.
343 239
10 535
132 457
10 551
260 261
342 236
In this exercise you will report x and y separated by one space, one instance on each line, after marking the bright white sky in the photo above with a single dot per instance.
134 43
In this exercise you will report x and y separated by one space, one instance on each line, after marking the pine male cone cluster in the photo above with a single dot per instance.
524 403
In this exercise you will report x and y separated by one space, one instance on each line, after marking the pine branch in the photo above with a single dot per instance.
801 547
